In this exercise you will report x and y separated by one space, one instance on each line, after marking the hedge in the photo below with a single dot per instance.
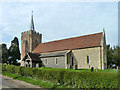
68 78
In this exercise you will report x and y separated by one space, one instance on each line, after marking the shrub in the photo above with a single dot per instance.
3 67
68 78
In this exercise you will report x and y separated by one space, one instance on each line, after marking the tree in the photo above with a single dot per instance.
3 53
113 55
14 52
110 61
116 55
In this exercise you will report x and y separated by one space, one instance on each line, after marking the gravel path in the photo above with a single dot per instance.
7 82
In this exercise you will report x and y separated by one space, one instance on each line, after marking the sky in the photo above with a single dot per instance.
59 20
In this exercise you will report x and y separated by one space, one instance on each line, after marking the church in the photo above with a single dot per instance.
82 52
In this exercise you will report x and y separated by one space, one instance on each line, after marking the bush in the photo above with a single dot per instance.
3 67
68 78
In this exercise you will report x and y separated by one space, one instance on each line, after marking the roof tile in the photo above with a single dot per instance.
85 41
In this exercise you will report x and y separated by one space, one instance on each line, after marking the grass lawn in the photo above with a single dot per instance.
78 70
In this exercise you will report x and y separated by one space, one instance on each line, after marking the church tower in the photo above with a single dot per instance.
29 40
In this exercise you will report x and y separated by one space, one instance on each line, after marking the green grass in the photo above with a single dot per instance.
40 83
78 70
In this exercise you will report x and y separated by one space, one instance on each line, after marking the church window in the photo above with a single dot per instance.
72 61
56 61
45 61
87 59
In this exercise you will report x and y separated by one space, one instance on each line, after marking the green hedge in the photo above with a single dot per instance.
68 78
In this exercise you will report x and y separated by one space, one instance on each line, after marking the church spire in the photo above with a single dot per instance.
32 23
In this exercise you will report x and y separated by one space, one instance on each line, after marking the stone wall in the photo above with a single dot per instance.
51 62
80 57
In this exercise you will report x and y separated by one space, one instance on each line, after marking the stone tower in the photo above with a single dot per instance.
29 40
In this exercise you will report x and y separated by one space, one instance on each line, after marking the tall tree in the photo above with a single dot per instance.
14 52
116 56
113 56
3 53
110 60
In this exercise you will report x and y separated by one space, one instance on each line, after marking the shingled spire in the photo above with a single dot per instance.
32 23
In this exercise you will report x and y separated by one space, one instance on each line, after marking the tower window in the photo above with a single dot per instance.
87 59
36 40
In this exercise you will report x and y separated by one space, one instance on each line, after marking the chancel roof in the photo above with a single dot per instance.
86 41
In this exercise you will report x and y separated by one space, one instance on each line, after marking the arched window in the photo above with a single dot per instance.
46 61
87 59
36 41
56 61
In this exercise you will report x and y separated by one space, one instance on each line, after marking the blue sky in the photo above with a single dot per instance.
59 20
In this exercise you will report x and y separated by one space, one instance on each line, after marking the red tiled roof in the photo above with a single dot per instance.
85 41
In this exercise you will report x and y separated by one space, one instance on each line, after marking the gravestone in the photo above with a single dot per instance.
117 69
37 65
96 69
89 67
92 69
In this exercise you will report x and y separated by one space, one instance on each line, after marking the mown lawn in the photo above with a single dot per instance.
78 70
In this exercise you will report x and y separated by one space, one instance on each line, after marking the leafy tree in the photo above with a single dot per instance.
113 55
110 60
3 53
14 52
116 55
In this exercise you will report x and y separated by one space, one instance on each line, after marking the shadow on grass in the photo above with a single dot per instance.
15 77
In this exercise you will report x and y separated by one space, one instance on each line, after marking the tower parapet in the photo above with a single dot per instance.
29 32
